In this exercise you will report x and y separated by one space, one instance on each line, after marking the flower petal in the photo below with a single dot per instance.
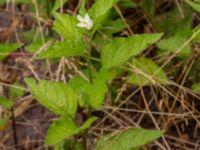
87 17
91 23
81 19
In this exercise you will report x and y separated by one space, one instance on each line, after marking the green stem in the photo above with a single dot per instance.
89 65
88 58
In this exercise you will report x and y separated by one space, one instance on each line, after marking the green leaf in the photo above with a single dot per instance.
38 44
65 48
5 102
93 93
173 43
195 6
60 130
64 128
127 4
66 26
98 88
146 72
126 140
114 26
6 49
120 50
58 4
15 92
196 87
87 123
34 46
57 97
30 36
100 10
80 86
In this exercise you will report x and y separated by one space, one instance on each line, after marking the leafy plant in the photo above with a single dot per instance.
78 33
103 59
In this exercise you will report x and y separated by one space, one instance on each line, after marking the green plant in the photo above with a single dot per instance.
79 34
106 70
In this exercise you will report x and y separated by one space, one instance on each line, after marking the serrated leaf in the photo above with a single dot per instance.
173 43
195 6
65 48
93 93
6 49
146 72
100 9
98 88
64 128
66 26
5 102
121 49
80 86
59 130
126 140
57 97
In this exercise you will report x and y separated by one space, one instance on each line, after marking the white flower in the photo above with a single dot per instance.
85 22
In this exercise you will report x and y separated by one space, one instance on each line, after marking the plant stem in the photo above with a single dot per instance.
89 65
88 58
